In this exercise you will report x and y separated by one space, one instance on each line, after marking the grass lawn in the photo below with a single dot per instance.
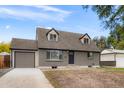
114 69
87 78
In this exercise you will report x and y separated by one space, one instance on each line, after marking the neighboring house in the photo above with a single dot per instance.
54 48
4 53
112 57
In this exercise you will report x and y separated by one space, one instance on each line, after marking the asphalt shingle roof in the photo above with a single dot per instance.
18 43
67 41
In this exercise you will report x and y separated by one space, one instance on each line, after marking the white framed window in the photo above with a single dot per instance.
54 55
86 40
53 37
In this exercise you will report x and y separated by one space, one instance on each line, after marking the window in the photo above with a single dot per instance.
86 40
53 37
54 55
90 54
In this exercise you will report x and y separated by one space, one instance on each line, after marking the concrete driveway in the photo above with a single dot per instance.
24 78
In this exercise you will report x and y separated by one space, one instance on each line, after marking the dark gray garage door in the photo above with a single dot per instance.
24 59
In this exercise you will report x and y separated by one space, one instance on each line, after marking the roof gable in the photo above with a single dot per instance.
52 30
84 36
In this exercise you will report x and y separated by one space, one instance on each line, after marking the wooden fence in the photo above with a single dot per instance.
4 61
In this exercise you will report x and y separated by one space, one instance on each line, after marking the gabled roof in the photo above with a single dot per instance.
17 43
84 35
52 30
67 41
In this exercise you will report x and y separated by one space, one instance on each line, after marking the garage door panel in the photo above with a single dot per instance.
24 59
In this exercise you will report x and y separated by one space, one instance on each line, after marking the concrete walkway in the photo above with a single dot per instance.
4 71
24 78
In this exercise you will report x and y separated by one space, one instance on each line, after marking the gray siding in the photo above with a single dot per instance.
44 62
80 58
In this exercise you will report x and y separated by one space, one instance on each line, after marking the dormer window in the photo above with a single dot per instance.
85 39
53 37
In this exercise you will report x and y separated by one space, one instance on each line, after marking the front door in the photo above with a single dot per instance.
71 57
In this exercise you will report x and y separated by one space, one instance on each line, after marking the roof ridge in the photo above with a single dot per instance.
60 30
71 32
24 39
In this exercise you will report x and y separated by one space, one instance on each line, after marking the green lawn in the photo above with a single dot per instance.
112 68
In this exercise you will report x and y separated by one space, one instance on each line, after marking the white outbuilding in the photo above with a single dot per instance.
113 56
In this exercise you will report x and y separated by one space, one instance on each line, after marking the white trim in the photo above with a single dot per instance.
53 33
36 58
85 37
13 56
58 53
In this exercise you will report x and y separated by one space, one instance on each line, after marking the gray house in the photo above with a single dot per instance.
54 48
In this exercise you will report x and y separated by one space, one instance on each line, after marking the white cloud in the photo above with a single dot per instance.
7 26
41 13
53 9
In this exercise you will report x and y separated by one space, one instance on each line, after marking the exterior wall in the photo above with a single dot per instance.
107 57
12 58
44 62
107 63
80 58
114 59
119 60
36 58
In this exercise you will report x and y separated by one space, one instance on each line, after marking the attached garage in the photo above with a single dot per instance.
24 53
24 59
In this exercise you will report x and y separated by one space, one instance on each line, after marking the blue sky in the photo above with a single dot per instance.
21 21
